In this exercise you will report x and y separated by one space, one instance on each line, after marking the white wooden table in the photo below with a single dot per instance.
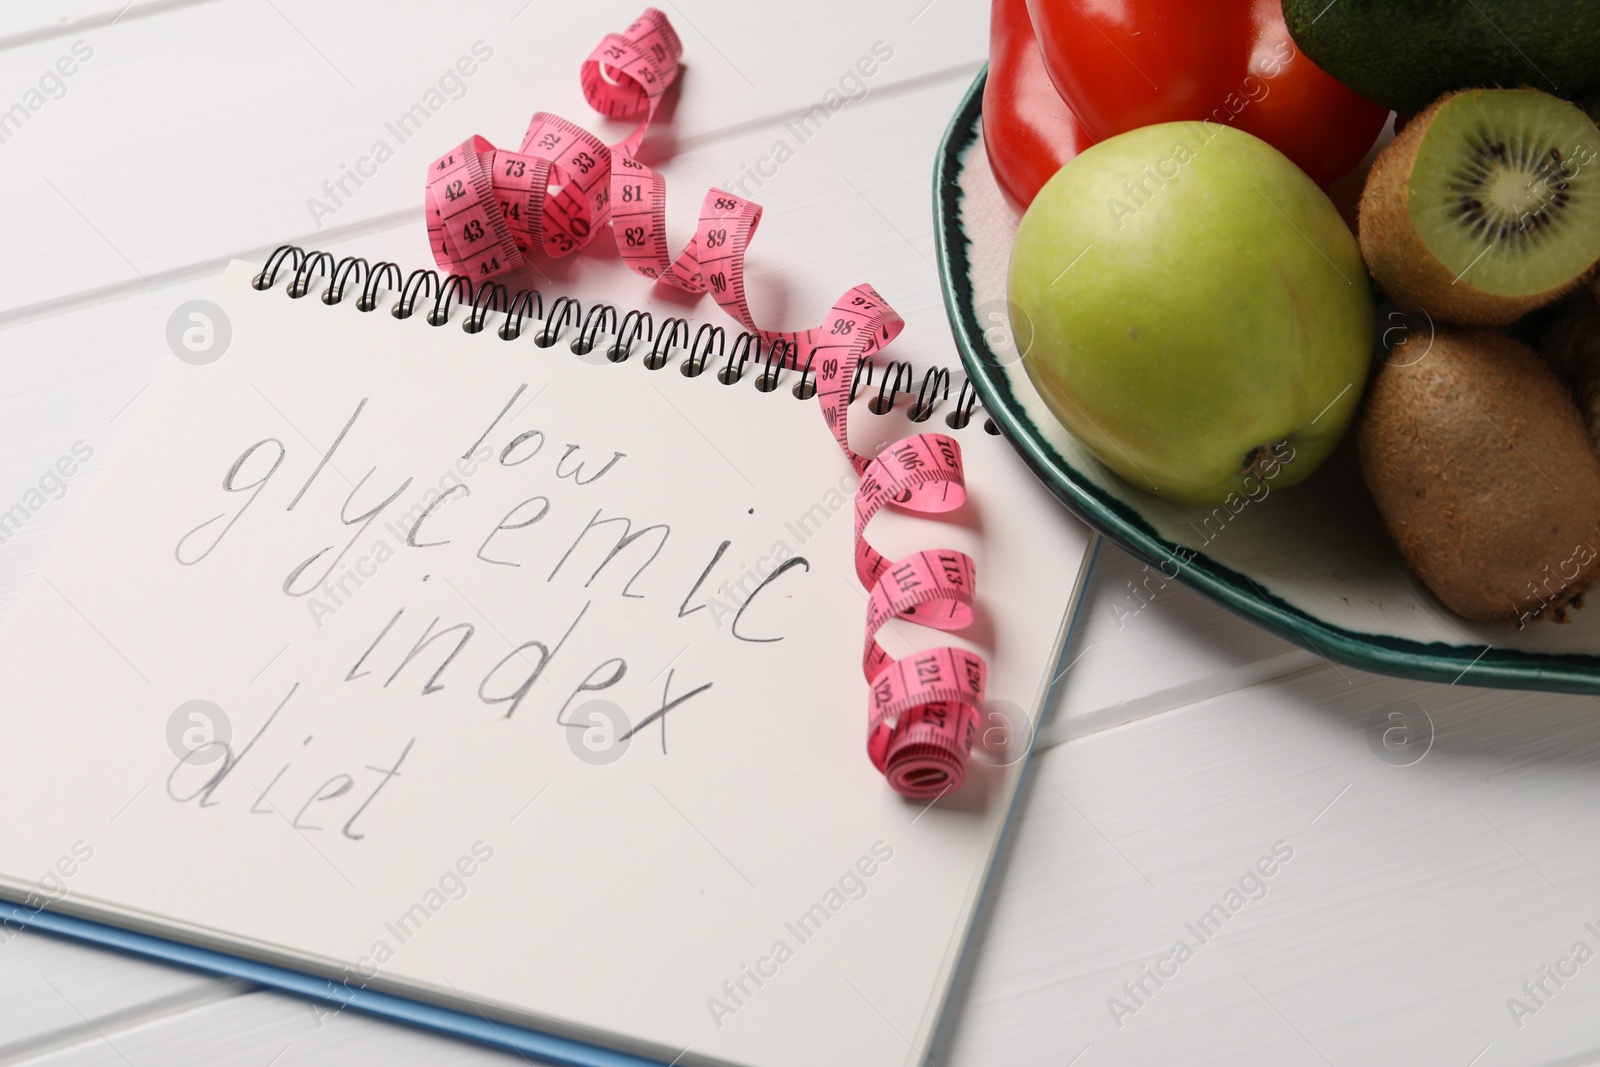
1185 744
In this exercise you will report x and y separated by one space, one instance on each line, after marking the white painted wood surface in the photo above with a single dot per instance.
1184 742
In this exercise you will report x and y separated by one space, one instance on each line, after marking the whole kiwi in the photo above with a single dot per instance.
1484 475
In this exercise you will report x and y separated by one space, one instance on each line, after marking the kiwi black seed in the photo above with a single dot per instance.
1486 206
1484 476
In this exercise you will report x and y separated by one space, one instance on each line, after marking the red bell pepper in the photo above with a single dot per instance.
1122 64
1028 131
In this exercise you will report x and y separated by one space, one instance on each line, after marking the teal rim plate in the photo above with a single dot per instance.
1312 563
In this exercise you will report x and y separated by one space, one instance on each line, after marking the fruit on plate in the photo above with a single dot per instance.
1483 473
1486 206
1122 64
1404 53
1028 131
1571 345
1201 319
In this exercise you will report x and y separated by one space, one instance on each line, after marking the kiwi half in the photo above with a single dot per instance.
1486 206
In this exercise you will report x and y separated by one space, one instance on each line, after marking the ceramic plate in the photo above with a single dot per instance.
1312 563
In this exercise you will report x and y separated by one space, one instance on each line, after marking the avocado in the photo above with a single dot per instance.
1590 102
1403 54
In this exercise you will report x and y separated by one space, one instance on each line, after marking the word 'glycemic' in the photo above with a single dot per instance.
737 590
334 592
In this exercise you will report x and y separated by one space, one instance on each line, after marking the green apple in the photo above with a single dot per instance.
1200 315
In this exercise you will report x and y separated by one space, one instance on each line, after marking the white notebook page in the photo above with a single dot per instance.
736 879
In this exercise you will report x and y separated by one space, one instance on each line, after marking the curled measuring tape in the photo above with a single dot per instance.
489 210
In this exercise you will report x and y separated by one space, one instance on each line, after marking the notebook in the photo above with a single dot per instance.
473 681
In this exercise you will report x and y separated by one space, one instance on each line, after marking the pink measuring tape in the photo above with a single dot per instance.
488 210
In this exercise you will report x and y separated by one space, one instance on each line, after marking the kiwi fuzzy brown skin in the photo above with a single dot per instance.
1484 476
1571 345
1399 259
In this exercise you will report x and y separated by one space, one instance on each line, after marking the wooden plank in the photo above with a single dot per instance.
262 1028
132 173
1417 900
54 991
55 19
1144 644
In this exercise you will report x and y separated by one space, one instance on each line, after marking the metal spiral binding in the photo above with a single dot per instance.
709 342
593 324
896 372
662 344
480 307
563 309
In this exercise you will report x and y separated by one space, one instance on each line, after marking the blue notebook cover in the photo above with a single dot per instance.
474 1027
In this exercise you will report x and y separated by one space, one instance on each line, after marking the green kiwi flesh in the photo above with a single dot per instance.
1505 191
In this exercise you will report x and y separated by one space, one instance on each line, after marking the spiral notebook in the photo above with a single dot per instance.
457 667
